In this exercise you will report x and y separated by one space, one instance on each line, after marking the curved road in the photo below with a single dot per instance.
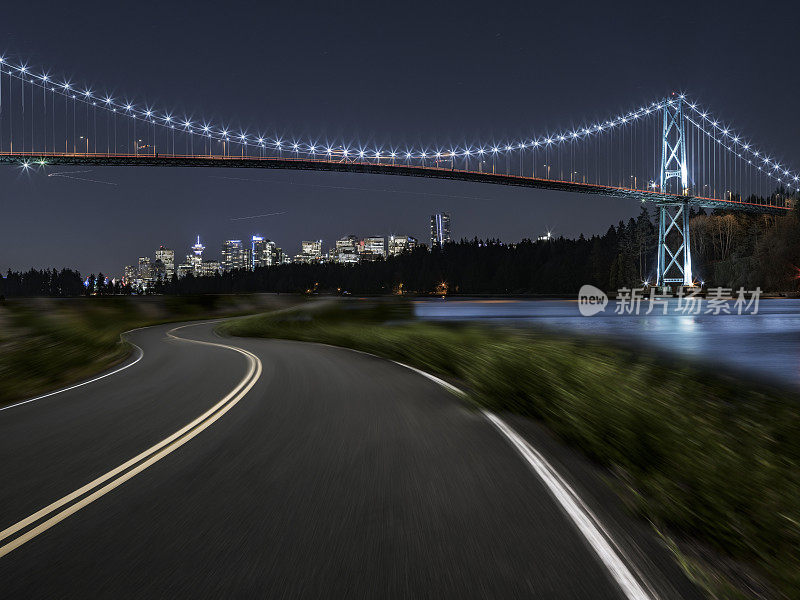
264 468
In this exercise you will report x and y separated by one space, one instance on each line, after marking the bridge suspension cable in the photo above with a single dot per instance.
623 152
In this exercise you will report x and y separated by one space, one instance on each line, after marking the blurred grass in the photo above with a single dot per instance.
715 462
48 343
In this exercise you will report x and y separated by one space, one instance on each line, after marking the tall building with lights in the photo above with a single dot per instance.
372 247
440 230
346 250
209 268
194 261
145 270
310 252
234 256
347 243
401 243
264 253
131 272
144 275
313 248
167 257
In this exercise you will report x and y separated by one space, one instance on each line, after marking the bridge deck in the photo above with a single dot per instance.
379 168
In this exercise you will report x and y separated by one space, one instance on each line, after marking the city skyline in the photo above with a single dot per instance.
258 251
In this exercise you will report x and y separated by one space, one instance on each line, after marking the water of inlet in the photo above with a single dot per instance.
765 345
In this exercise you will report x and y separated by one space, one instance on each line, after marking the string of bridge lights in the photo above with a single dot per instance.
757 158
211 132
207 130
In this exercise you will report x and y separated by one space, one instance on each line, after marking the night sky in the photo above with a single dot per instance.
401 72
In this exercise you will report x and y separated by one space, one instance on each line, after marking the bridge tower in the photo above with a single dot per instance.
674 253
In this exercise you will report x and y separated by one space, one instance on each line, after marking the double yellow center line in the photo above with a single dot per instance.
50 515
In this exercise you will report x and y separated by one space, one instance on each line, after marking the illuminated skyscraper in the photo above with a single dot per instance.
145 269
233 256
440 230
195 259
144 276
131 272
167 257
263 253
372 247
198 248
348 243
209 268
313 248
346 250
401 243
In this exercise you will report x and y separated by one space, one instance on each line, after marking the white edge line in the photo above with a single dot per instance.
115 371
598 538
77 385
575 508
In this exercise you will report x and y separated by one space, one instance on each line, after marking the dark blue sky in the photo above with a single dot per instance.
407 72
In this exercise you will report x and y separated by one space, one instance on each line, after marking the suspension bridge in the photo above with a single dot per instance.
670 152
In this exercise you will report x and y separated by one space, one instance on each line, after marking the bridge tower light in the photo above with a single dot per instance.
674 255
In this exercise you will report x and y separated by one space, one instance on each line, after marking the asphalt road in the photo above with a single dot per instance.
322 473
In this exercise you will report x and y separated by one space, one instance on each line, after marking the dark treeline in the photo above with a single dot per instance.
728 249
34 282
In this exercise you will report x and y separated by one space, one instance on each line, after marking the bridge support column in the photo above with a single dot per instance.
674 249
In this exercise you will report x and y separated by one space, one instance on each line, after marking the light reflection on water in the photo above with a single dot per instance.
765 344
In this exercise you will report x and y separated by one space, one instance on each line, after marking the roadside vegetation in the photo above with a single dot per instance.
712 462
47 343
